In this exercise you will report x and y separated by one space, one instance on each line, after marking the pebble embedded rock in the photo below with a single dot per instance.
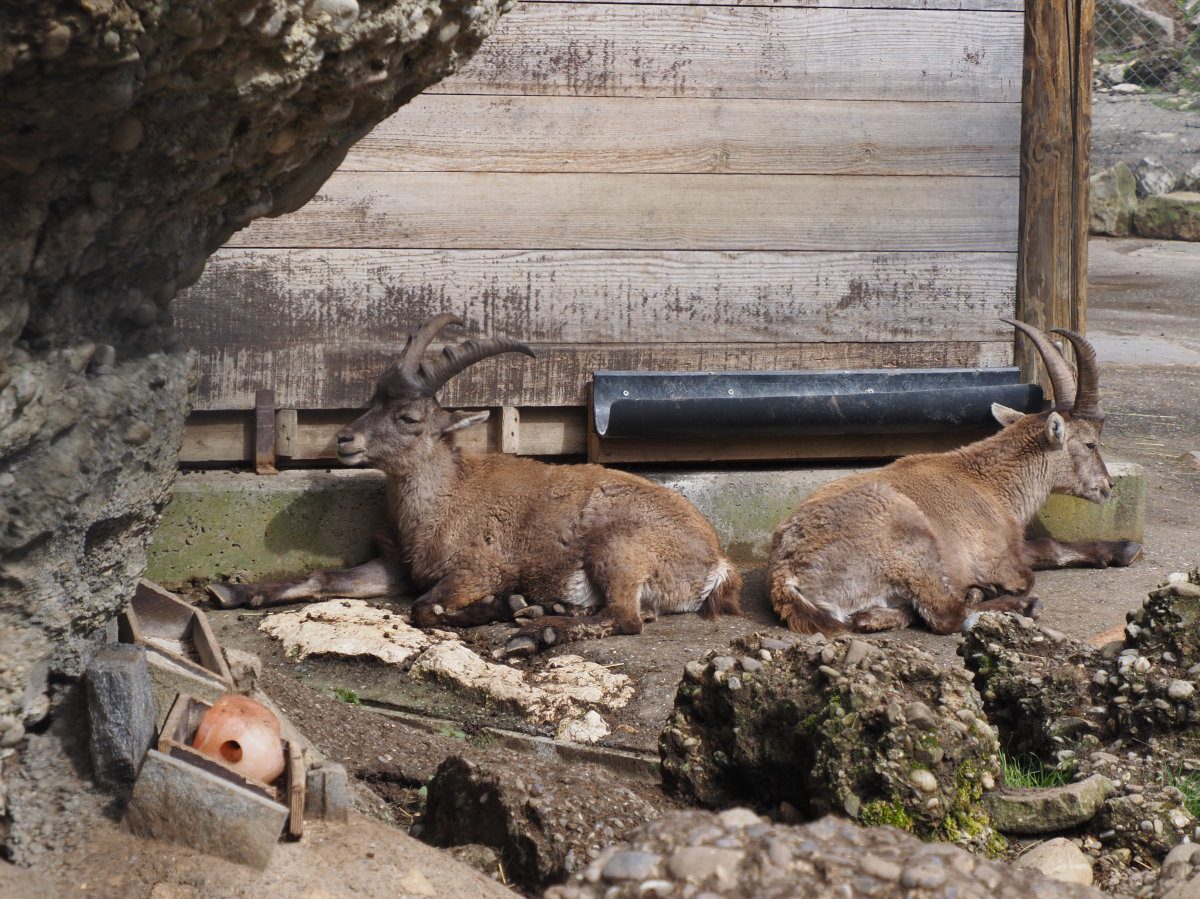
696 854
836 726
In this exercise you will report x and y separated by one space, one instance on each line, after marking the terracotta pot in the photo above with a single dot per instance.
244 735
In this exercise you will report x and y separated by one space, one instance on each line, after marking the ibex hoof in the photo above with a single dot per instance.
974 596
549 636
519 647
1034 608
227 596
1127 554
529 612
516 602
969 622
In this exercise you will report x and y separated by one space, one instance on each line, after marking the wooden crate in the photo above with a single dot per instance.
175 740
170 628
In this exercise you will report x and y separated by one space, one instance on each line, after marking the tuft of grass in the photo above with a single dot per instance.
343 695
1028 771
1187 783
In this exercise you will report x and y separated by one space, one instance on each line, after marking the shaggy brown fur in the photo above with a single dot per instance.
471 530
926 534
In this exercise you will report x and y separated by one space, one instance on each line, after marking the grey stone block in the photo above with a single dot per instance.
1049 809
182 803
327 793
121 713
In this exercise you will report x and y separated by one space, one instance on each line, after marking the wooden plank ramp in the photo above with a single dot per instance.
483 210
689 136
333 296
343 375
795 53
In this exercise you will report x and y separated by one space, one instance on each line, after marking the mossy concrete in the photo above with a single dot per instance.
222 523
1121 517
229 523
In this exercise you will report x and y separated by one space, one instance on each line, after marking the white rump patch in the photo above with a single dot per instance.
580 592
831 609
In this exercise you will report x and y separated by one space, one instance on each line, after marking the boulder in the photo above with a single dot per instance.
1039 687
1049 809
1154 70
1112 201
1058 859
137 137
738 855
1153 178
889 737
545 820
1170 216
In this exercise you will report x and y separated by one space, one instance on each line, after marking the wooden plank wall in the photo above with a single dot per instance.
684 185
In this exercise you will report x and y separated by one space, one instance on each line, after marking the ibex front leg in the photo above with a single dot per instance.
1047 552
372 580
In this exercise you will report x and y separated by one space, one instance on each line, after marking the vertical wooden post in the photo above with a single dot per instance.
1056 100
264 432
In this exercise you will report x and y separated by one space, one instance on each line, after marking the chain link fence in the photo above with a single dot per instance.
1146 86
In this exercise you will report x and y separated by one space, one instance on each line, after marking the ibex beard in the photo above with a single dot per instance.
940 536
470 531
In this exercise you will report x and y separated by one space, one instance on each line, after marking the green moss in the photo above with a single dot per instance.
882 813
975 828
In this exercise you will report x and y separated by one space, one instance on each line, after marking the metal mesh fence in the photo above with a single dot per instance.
1146 84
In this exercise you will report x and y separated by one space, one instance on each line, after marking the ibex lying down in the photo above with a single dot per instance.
916 538
472 530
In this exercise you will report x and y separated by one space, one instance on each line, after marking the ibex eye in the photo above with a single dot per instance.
408 419
1090 445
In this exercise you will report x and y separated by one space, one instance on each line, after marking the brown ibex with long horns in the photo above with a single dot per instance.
873 551
470 531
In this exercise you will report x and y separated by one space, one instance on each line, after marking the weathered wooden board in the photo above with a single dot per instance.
982 5
699 212
275 299
628 50
343 374
466 133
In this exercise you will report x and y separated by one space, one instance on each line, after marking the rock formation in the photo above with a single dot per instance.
135 137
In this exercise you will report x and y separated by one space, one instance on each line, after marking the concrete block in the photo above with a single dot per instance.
122 714
1121 517
182 803
327 793
264 513
223 523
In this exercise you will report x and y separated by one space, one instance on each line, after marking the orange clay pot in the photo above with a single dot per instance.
244 735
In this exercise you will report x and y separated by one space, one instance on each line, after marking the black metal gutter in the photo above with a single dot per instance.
798 403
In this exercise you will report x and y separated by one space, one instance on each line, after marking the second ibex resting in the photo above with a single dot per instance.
470 531
921 536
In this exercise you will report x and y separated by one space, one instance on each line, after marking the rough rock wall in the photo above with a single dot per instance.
135 137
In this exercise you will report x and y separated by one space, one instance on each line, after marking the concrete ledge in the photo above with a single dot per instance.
223 523
1121 517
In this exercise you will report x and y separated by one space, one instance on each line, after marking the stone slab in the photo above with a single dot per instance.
180 803
1048 810
122 714
1121 517
224 523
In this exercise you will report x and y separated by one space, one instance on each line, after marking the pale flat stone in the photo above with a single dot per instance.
349 628
1048 809
1059 859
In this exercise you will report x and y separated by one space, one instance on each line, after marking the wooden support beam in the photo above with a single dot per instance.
508 430
286 433
1055 132
264 432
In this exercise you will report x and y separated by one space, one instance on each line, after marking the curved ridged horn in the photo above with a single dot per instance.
454 359
1062 383
410 358
1087 394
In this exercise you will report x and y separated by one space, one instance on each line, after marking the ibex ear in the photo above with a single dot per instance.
1056 430
1005 415
461 419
